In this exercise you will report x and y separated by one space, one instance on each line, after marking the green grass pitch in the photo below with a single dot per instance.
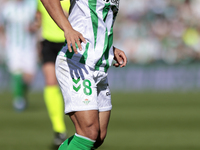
139 121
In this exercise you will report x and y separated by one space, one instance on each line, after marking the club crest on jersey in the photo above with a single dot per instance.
86 101
114 2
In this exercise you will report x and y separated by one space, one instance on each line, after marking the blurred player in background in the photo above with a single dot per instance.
53 42
19 24
2 40
81 67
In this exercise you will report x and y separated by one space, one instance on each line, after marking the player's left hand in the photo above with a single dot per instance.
119 57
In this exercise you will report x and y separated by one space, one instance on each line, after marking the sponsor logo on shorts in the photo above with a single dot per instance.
108 93
86 101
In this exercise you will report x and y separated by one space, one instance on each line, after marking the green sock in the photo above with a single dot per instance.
17 85
80 143
65 144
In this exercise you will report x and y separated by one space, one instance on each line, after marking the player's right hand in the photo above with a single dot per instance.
74 37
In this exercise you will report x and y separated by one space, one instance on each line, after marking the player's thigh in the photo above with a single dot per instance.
49 73
49 54
86 122
104 118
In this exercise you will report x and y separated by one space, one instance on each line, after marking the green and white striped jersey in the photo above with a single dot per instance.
16 16
94 19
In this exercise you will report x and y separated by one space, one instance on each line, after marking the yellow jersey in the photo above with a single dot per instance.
50 30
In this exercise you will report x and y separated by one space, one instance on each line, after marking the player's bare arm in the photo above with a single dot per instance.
34 26
72 36
119 57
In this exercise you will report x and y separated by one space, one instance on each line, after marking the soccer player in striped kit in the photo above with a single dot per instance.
82 65
19 24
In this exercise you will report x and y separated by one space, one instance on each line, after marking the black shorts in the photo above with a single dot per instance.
50 51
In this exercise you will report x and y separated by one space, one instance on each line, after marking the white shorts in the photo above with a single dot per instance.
19 61
83 88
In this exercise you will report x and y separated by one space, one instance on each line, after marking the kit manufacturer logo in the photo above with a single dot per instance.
78 86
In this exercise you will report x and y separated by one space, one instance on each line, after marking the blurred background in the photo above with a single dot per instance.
156 96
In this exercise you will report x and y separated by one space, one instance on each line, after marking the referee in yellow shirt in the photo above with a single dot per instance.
53 41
